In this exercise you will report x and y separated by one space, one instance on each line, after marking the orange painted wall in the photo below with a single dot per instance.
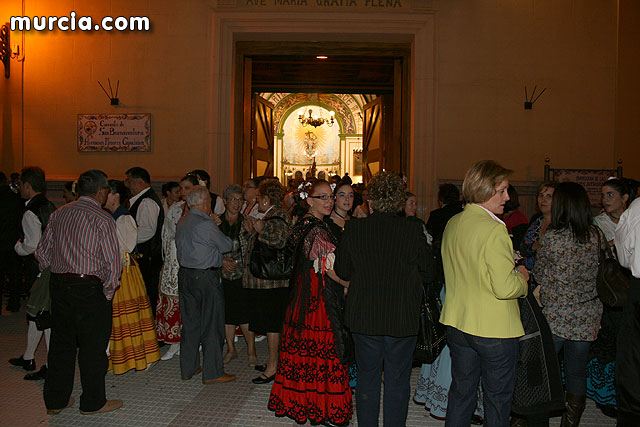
486 52
489 50
162 72
627 133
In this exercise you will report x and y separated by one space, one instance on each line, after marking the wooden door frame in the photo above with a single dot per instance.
243 90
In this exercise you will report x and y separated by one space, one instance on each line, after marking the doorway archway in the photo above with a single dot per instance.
417 30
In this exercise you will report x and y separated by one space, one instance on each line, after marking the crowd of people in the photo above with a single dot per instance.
333 274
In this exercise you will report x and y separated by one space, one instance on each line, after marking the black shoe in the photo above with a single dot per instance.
330 424
260 368
35 376
262 379
608 410
27 365
477 420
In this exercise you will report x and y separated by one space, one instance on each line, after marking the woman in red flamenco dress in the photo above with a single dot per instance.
312 381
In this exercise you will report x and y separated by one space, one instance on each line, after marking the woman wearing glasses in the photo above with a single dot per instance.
312 381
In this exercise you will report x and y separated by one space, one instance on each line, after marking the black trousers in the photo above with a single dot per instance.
150 269
81 318
628 359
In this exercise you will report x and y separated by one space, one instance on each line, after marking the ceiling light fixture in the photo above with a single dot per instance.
314 120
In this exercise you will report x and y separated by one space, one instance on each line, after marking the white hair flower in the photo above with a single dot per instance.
333 186
303 190
201 182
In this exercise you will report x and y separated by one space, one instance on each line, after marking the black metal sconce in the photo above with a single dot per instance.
113 98
528 102
5 49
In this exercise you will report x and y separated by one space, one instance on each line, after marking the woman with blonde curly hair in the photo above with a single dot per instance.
382 256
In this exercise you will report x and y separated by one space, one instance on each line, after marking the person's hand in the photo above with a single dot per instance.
523 270
536 295
248 225
258 225
229 265
216 218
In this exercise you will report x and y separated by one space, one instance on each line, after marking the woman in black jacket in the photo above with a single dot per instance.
383 257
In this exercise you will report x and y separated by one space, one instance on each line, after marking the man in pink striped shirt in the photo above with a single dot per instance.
81 247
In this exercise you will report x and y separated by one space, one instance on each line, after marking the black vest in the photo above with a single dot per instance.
42 208
153 246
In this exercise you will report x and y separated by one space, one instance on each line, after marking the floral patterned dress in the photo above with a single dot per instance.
168 323
312 380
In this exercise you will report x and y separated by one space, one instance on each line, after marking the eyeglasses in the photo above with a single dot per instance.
324 197
235 199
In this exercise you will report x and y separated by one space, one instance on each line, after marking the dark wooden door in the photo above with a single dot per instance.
262 138
376 136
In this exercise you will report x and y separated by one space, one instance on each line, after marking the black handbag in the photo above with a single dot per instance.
432 335
43 320
269 263
612 283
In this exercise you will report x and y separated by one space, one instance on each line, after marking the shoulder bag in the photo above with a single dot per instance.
268 263
612 283
431 333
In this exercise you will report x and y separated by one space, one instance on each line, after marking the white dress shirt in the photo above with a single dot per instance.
146 217
32 228
627 238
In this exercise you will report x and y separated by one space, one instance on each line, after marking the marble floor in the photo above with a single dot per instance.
160 398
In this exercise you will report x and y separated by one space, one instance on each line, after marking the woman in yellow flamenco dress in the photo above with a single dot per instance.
133 343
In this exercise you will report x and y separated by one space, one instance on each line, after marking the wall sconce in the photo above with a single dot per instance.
528 102
5 49
112 97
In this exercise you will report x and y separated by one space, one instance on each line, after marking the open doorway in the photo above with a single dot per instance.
366 93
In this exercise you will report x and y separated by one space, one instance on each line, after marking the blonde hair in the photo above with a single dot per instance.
481 181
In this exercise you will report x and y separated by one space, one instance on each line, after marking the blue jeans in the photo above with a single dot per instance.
576 357
372 351
492 359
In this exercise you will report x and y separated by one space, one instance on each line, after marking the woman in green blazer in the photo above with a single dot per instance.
481 308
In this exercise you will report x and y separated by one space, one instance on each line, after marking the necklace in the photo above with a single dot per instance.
336 212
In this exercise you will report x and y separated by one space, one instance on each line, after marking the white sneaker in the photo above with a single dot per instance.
173 350
260 338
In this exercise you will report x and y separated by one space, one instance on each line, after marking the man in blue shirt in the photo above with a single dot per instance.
200 245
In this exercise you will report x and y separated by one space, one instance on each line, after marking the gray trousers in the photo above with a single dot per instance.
202 314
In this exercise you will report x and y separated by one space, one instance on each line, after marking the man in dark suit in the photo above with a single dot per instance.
385 258
146 208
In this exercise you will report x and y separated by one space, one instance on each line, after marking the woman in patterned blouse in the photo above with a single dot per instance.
566 268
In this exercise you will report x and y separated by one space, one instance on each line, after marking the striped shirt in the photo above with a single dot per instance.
81 239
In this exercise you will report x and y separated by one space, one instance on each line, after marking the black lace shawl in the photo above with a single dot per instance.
301 241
